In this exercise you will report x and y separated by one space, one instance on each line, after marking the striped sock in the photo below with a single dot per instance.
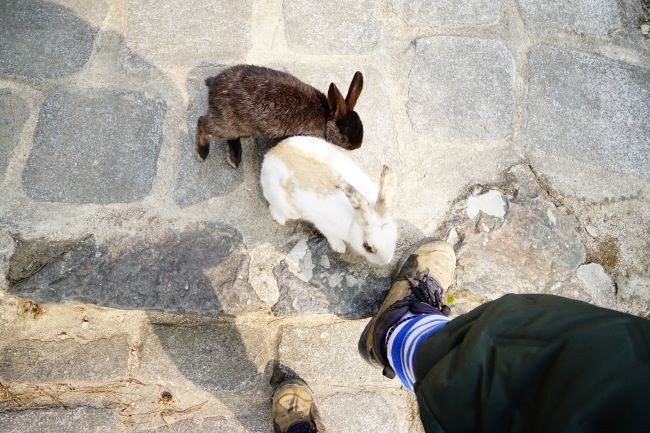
404 339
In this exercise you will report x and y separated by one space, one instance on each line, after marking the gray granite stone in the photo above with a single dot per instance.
328 355
431 13
343 27
95 147
596 17
200 180
214 357
597 284
461 88
533 248
87 420
633 294
343 285
589 109
7 248
365 411
13 114
203 270
29 256
188 33
42 39
212 425
67 360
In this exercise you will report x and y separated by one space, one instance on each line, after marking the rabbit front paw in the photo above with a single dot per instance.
337 245
278 216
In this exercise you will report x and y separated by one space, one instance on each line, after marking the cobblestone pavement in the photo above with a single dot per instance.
519 130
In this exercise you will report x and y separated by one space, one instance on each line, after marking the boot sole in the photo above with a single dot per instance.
362 346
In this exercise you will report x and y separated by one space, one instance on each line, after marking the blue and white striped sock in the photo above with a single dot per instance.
404 339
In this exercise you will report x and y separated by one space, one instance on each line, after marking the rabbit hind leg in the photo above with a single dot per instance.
202 142
234 152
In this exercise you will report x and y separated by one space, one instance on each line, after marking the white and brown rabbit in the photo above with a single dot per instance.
309 179
252 101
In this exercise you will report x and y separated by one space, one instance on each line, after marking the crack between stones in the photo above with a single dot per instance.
558 202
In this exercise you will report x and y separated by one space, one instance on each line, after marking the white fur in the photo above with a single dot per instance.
330 211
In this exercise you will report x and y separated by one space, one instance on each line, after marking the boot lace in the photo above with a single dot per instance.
424 289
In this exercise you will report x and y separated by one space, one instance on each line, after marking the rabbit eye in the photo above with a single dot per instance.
368 248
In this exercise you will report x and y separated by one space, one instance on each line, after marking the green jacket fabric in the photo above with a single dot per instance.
536 363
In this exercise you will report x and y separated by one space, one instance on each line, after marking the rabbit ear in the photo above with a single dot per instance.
354 91
357 201
386 190
336 102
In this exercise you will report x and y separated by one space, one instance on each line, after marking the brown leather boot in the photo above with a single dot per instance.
294 410
418 284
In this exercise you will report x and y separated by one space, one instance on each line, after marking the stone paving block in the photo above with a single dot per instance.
461 88
596 17
188 33
328 354
597 284
365 411
202 269
95 147
42 39
590 109
261 424
7 248
214 357
533 248
436 12
13 114
342 27
67 360
200 180
633 294
332 284
87 420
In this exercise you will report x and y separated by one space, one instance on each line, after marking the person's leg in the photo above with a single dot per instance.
536 363
522 363
404 339
412 310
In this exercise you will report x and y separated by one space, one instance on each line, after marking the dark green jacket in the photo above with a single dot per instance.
536 363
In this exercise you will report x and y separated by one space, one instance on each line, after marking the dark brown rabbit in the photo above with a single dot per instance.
253 101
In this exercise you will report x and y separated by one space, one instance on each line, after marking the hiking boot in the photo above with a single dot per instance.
294 410
419 281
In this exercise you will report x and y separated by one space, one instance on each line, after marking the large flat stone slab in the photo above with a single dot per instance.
342 27
595 17
317 280
68 360
365 411
188 33
432 13
203 269
461 88
44 40
59 421
95 147
200 180
518 241
328 355
13 114
213 425
214 357
589 109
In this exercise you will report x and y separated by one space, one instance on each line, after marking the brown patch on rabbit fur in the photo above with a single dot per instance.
243 102
310 174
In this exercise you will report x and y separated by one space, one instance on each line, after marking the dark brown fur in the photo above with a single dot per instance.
253 101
